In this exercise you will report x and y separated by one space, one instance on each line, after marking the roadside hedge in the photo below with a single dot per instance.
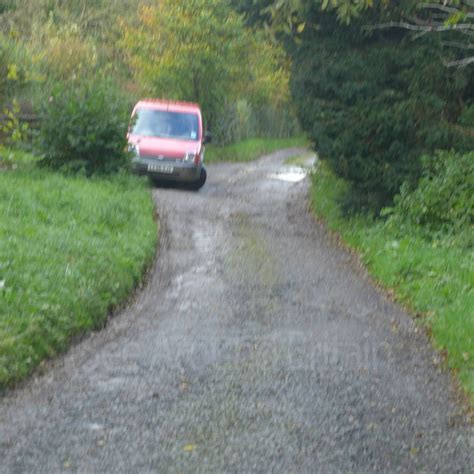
84 127
375 103
442 204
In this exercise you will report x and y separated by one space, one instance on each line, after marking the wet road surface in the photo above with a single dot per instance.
257 345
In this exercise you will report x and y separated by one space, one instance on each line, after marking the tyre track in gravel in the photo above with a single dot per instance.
256 346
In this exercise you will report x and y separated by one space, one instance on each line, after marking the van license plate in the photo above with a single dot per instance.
159 168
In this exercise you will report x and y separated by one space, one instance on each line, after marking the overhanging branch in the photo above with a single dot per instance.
437 19
456 44
428 28
443 8
460 62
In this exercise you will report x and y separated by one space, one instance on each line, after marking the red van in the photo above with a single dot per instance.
168 141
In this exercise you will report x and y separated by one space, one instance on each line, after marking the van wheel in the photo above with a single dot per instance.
200 182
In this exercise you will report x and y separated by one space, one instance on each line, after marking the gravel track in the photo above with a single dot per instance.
257 345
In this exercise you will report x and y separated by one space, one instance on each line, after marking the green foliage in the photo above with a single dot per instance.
289 15
84 127
12 72
14 131
197 50
63 54
13 78
70 250
443 201
187 50
3 74
60 41
371 113
467 117
200 51
434 278
6 6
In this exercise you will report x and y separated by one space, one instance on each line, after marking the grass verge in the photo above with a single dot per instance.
305 160
70 250
435 280
251 149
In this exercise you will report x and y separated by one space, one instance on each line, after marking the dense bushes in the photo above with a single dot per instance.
443 202
375 104
84 128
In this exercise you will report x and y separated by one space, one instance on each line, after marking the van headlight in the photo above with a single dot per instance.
189 157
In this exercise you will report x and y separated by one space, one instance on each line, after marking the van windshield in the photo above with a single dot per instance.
165 124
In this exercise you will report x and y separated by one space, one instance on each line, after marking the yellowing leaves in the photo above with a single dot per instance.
12 74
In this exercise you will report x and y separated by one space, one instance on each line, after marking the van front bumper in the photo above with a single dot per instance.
167 169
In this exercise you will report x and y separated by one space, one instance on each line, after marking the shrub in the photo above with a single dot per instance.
83 128
443 201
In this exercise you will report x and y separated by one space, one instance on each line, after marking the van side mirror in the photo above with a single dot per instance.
207 138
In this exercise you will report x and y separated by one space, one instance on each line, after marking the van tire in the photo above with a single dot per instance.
200 182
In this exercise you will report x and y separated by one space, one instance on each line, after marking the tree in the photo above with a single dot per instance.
201 50
373 102
190 50
289 15
69 39
454 19
451 19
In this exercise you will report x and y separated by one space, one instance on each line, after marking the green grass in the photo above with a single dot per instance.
70 250
13 158
251 149
435 280
304 160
